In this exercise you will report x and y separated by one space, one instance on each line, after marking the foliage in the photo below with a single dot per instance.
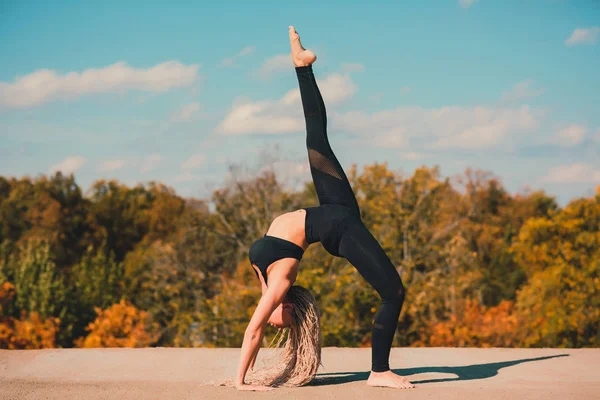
140 266
28 332
475 326
121 325
560 304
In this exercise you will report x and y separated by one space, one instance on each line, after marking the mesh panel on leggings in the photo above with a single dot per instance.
322 163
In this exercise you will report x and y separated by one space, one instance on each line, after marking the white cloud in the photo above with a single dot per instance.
434 128
448 127
260 117
353 67
521 91
583 35
151 162
393 138
573 173
571 135
246 51
283 115
111 165
467 3
278 63
185 177
68 165
194 161
46 85
290 168
411 155
291 173
336 88
186 113
405 90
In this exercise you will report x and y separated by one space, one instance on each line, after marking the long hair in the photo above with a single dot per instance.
298 353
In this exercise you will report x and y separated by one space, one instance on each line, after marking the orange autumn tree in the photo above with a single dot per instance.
30 332
33 332
121 325
185 263
476 326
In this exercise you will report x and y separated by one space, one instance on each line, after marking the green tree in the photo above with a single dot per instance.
96 282
560 305
38 284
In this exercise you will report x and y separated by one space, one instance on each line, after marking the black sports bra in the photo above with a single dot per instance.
268 249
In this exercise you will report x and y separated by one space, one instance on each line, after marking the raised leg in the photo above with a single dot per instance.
331 184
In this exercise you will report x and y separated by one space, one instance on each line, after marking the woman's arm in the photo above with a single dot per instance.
253 360
279 284
263 287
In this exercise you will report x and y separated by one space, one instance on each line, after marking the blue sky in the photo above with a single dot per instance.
176 92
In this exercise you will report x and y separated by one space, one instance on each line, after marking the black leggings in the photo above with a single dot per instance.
337 223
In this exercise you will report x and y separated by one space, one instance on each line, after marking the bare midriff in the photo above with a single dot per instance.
291 227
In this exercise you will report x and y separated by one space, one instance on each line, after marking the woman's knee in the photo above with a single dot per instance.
395 292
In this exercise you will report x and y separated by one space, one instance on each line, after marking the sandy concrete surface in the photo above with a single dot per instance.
168 373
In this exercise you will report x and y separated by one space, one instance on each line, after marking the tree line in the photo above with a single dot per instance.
143 266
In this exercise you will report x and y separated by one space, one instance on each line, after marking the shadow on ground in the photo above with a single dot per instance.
463 373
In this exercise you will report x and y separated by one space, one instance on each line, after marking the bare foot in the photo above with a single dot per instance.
389 379
300 55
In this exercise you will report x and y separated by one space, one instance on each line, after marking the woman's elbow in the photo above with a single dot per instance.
252 332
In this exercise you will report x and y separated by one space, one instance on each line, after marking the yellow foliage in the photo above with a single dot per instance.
224 318
121 325
482 267
560 304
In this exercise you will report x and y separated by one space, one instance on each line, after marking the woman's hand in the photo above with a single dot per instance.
257 388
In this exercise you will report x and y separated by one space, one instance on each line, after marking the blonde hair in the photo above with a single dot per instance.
296 361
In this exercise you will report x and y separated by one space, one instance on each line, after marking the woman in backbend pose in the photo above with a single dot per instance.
337 225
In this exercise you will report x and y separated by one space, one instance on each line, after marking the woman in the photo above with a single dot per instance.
337 225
